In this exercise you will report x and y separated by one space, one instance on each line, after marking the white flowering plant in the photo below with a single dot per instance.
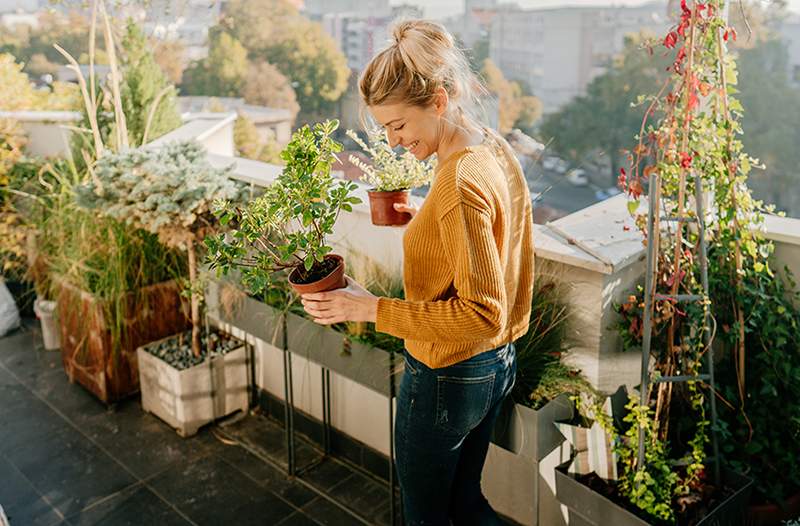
390 172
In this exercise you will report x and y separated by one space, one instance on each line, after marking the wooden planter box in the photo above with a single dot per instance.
588 508
190 398
368 366
531 433
154 312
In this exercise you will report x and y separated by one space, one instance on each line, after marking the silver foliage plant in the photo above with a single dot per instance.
168 191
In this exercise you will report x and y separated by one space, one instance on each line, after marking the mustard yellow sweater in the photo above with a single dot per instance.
468 260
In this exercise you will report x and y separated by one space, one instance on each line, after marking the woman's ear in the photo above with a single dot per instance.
440 101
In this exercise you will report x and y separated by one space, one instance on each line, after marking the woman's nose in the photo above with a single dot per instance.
393 139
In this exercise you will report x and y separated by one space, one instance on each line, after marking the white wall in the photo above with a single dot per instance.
47 131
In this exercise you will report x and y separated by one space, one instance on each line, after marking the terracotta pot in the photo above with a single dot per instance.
381 207
334 280
772 514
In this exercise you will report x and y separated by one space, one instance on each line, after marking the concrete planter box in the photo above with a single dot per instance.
531 433
193 397
518 476
368 366
588 508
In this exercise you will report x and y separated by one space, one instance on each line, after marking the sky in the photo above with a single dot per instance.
442 8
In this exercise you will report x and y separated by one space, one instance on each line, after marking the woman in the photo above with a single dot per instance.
467 272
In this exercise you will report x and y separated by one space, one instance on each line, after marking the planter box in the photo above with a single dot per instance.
246 313
368 366
154 312
190 398
531 433
589 508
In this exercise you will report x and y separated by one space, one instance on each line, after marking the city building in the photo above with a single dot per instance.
557 52
790 32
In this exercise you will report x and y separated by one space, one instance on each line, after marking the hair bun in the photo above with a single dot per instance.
400 29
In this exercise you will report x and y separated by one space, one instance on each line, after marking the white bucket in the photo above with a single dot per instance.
46 312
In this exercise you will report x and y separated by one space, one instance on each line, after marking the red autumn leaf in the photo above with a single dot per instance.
686 160
626 228
693 100
635 189
670 40
733 33
621 179
705 88
725 36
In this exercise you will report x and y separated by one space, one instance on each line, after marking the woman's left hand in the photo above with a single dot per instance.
352 303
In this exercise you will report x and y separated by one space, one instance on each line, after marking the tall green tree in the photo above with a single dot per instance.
771 131
222 73
607 117
147 94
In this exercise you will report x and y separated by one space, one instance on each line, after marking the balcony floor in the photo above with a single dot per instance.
67 459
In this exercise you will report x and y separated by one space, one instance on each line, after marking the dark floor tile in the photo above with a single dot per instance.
211 491
328 514
382 516
298 519
133 507
360 494
269 439
68 470
268 476
141 442
20 500
27 422
327 474
346 447
22 353
376 463
70 399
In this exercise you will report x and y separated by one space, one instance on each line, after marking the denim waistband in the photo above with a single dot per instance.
479 360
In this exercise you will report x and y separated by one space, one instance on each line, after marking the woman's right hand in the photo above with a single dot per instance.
408 209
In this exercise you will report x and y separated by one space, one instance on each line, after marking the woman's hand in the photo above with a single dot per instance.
408 209
352 303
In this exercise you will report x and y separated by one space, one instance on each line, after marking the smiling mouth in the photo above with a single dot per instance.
412 146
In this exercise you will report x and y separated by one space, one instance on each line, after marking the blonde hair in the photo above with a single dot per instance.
421 58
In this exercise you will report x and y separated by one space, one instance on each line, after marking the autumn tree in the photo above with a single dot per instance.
274 31
265 85
516 109
170 57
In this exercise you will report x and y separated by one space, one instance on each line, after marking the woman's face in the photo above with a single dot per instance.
413 127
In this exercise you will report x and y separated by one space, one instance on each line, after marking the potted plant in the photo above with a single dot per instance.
285 229
185 380
391 176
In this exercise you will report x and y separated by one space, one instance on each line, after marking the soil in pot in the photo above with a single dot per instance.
381 207
328 276
177 350
690 510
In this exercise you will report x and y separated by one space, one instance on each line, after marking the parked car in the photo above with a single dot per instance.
604 193
578 177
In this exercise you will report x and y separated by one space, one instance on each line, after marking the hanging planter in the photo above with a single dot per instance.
391 176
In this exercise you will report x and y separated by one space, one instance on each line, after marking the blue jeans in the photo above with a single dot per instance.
444 421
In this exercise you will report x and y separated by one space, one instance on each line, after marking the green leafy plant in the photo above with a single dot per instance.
541 375
286 227
390 172
168 192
